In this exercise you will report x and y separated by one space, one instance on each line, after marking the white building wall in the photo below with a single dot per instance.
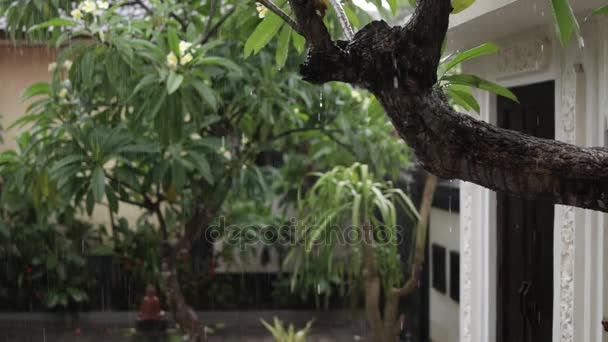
581 77
444 315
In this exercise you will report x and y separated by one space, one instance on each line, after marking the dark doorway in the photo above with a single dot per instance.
525 231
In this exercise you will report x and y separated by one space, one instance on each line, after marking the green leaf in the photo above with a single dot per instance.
601 11
206 93
352 16
393 5
173 82
178 176
262 34
41 88
223 62
299 42
145 81
98 184
112 199
173 40
90 203
481 50
460 5
283 46
566 24
463 98
477 82
202 165
55 22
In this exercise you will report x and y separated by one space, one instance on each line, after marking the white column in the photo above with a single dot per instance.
478 255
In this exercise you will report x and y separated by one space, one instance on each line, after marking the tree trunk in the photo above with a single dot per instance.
373 287
399 65
417 256
183 314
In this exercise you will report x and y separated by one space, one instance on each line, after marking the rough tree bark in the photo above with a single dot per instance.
183 313
399 65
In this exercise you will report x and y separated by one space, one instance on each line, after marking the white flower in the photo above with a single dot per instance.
103 5
172 60
184 46
67 64
262 10
228 155
63 93
52 67
88 6
76 14
185 59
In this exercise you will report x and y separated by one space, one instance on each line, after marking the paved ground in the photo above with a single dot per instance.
335 326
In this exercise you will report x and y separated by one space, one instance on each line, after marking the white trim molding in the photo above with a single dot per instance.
571 92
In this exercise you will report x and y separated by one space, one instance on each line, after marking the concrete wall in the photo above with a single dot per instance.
443 310
21 66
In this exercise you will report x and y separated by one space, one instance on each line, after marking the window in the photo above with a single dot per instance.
438 272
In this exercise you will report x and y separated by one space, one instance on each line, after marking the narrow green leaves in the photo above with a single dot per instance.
222 62
98 184
55 22
566 24
173 82
393 5
601 11
206 93
262 34
462 97
460 5
36 89
478 82
173 40
481 50
283 46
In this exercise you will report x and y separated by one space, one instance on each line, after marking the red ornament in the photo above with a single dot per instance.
29 269
77 332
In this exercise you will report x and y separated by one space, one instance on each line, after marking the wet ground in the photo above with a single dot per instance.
228 326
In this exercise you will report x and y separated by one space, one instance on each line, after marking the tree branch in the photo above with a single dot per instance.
214 5
278 11
346 26
399 65
421 232
216 27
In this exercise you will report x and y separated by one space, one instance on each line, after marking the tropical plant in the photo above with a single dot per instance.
349 231
281 333
157 109
44 263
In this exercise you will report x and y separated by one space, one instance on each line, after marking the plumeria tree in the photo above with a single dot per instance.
152 105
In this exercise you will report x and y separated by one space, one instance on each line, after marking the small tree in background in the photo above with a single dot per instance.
349 233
